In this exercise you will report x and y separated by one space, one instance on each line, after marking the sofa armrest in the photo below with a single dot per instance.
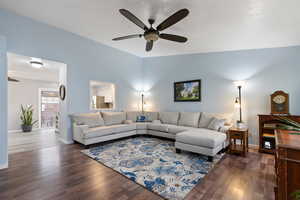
224 129
78 132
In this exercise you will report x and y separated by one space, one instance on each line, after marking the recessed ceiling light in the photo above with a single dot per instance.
36 63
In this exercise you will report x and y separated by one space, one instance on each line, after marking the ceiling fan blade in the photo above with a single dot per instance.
12 79
127 37
149 45
175 38
133 18
173 19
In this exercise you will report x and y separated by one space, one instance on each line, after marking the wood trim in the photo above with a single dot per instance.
290 160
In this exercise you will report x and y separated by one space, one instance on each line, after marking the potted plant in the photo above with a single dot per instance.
296 195
289 124
26 117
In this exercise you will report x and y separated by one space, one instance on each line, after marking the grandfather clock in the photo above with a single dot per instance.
280 103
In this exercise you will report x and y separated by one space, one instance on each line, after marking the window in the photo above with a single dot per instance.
102 95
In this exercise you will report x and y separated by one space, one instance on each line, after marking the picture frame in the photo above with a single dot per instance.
187 91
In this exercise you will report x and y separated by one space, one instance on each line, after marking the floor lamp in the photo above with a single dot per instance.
143 102
238 101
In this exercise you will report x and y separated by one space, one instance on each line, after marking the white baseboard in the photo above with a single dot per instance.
34 129
65 141
4 166
14 131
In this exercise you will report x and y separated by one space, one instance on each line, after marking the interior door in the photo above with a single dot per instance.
49 108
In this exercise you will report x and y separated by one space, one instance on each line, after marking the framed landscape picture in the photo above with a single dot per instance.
187 91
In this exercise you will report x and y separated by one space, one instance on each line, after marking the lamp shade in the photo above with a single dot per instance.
237 103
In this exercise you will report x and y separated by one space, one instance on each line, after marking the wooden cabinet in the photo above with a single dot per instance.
267 127
287 164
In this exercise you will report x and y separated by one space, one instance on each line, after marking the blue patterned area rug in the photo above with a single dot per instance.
153 163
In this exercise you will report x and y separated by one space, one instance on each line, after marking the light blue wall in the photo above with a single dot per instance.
265 70
86 60
3 103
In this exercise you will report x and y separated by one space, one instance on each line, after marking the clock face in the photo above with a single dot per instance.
279 99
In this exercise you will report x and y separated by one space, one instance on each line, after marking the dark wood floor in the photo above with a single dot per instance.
62 172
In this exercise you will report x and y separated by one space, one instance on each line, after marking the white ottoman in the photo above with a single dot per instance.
202 141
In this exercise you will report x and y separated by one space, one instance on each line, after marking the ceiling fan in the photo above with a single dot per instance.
12 79
151 34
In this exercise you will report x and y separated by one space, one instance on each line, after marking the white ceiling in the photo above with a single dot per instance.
19 67
213 25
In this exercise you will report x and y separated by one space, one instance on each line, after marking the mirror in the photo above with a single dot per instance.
102 95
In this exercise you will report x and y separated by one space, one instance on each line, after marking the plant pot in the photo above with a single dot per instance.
26 128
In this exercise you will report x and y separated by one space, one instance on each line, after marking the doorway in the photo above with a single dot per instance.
33 85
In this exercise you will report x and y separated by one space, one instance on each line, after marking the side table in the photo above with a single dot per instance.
240 135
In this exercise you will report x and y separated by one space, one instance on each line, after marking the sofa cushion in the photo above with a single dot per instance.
169 117
112 118
201 137
158 127
141 125
132 115
189 119
90 119
98 132
174 129
123 128
216 124
206 118
151 116
156 121
127 121
108 130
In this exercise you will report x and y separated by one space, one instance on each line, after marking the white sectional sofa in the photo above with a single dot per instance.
203 133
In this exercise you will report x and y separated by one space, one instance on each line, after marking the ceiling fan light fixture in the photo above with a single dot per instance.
151 36
36 63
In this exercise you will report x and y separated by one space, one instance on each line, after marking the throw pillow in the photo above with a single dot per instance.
216 124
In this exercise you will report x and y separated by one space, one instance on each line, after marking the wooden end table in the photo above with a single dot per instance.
242 146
